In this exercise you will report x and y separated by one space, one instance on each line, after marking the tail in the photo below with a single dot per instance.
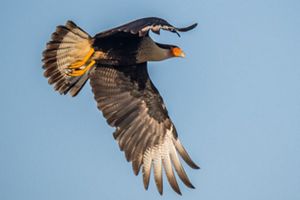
67 59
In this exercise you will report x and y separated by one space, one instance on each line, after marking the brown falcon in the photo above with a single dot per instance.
115 61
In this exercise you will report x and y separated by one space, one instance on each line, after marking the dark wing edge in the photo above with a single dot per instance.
130 102
141 27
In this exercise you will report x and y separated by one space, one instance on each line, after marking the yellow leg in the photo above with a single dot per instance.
80 72
80 63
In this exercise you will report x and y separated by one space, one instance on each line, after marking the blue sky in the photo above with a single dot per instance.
235 101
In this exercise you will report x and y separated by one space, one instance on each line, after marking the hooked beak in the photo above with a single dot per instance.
182 55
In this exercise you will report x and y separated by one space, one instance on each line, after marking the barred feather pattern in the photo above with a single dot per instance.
68 44
131 103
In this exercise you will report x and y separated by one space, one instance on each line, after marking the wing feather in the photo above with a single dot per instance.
141 28
131 103
178 167
147 161
157 169
170 173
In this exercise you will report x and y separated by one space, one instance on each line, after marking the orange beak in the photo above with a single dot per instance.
177 52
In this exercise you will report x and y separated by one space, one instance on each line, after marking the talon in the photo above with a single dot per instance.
80 72
79 63
76 65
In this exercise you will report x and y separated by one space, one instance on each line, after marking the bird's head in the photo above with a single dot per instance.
157 52
172 50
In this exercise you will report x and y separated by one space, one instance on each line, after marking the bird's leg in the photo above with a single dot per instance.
80 63
80 72
78 68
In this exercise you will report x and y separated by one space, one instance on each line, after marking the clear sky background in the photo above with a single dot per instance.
235 100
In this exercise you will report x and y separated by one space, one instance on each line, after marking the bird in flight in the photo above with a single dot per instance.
115 61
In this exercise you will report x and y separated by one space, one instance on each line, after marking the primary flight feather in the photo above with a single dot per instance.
115 61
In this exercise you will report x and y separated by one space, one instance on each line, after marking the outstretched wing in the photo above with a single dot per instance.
131 103
142 26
